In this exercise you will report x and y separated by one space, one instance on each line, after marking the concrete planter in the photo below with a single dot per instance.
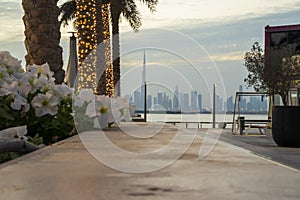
286 126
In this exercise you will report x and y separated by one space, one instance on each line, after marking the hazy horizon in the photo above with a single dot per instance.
224 30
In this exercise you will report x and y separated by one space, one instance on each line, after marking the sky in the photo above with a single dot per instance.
192 44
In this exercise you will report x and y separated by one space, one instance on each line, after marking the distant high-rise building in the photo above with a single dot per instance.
243 101
149 101
160 98
186 105
229 104
200 102
219 103
155 101
137 100
176 98
170 104
165 101
194 100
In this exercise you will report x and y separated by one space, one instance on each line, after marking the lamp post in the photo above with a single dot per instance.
145 87
214 107
73 61
145 101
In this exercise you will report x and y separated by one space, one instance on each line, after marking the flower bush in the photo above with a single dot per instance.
31 98
98 111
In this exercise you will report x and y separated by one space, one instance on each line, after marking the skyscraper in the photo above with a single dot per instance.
176 98
200 102
186 105
154 100
194 100
219 103
243 103
160 98
143 81
137 100
149 101
229 104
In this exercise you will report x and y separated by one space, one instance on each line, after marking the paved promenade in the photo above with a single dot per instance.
67 170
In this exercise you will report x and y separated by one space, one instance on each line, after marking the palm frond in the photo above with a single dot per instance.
67 12
151 4
131 14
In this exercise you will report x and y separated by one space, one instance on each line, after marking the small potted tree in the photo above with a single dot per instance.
276 80
280 79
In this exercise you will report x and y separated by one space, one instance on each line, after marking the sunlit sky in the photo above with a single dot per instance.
226 29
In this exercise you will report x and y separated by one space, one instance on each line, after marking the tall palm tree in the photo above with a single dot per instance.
102 39
101 49
86 23
103 30
130 12
42 35
107 38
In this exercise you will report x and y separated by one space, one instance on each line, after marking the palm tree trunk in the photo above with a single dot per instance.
42 35
105 84
85 22
100 49
116 12
106 34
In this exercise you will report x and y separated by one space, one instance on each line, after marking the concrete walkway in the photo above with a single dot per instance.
67 170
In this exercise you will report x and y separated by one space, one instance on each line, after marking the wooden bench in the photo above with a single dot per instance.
251 123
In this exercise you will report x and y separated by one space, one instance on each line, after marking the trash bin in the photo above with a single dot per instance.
241 123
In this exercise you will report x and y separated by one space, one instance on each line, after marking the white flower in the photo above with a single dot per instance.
61 91
12 64
84 96
7 89
45 104
91 109
119 110
107 110
17 86
96 108
24 85
40 70
99 110
40 82
114 114
18 102
4 76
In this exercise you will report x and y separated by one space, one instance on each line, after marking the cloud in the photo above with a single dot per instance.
181 14
231 56
11 26
237 35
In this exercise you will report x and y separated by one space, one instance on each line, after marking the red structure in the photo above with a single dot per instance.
277 36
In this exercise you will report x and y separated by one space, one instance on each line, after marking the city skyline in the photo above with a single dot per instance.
192 102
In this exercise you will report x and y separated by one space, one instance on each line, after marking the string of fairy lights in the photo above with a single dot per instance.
108 59
87 42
